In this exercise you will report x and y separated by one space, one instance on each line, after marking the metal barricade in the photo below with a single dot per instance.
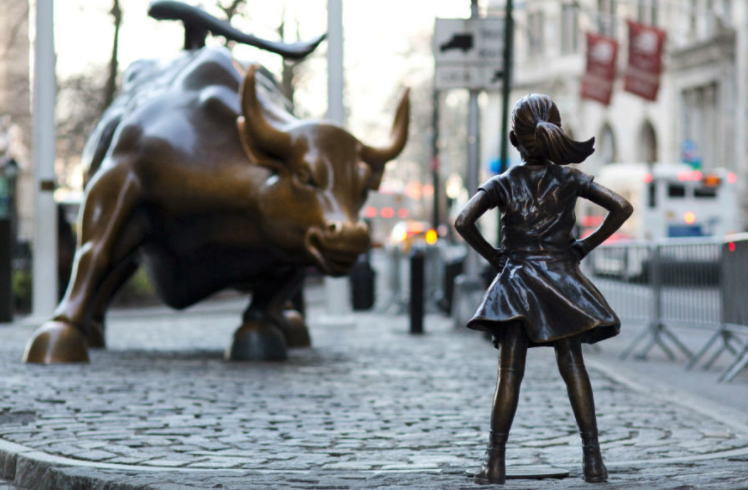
679 283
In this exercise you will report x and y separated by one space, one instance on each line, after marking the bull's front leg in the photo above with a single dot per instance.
269 327
109 235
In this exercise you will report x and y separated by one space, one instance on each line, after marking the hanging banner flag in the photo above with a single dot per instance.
597 82
646 47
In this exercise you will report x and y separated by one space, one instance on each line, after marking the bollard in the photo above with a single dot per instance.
362 284
6 271
417 262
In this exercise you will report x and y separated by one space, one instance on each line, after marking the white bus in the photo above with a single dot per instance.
670 201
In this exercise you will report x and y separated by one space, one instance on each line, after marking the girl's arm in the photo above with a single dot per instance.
465 226
619 210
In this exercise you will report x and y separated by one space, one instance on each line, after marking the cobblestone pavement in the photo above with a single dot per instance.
370 406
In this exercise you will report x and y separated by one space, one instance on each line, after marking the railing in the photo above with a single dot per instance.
666 285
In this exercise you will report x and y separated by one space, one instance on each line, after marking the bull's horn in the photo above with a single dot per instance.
254 128
378 156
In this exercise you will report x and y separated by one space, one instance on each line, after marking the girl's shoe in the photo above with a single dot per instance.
494 466
493 469
592 460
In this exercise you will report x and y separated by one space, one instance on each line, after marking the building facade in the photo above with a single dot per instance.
702 104
16 123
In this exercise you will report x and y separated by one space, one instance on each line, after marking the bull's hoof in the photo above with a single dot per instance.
255 341
95 336
297 335
56 343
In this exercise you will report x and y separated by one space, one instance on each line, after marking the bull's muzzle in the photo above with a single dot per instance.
336 246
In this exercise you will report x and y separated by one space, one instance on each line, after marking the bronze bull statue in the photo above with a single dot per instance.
200 172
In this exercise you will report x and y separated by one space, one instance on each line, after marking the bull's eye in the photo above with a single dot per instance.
304 177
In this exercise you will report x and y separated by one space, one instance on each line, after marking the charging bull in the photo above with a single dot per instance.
200 172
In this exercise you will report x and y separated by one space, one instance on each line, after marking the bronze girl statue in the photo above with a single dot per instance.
540 297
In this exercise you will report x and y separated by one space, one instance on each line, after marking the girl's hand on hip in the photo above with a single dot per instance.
499 260
579 250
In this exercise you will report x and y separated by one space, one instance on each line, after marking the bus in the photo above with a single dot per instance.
671 202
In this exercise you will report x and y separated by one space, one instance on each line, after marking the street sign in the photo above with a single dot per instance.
469 53
468 76
460 41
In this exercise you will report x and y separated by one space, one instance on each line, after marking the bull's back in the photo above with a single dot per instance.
158 94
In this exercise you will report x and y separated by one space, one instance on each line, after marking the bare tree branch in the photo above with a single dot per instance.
230 10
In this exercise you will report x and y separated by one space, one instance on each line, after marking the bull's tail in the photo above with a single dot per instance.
197 24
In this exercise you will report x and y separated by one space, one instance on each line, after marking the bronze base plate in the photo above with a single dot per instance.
529 472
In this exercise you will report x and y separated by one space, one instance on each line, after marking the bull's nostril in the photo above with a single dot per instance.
334 227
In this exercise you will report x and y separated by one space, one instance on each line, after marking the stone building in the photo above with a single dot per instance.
703 96
16 122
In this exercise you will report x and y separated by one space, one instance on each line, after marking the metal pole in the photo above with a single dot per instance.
335 108
436 219
468 287
45 230
473 170
505 93
337 290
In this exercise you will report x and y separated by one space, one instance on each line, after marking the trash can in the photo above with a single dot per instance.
362 284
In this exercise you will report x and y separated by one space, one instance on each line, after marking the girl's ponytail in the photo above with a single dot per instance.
536 123
551 141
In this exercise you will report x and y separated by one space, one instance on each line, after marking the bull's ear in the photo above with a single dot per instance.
378 156
264 143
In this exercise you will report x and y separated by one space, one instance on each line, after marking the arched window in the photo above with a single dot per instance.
648 143
607 145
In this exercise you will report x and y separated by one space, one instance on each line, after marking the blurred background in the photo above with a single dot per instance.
661 84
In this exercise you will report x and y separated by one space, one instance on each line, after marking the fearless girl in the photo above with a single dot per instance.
540 297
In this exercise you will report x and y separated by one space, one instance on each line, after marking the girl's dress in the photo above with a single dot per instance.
541 285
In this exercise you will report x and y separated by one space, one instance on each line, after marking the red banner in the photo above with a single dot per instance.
597 82
646 47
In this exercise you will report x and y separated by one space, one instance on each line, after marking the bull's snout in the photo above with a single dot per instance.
336 246
354 235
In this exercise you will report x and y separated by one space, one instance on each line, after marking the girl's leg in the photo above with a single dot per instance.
571 366
512 357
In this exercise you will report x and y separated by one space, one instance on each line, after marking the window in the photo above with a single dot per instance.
652 193
646 11
726 10
705 192
607 17
569 29
535 31
607 147
676 190
711 18
693 18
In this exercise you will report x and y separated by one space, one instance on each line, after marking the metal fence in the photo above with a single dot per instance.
684 283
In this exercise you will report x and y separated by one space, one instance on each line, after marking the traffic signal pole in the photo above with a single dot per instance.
506 89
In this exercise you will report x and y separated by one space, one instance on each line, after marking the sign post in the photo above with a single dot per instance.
469 54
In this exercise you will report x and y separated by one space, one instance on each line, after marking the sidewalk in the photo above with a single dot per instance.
368 407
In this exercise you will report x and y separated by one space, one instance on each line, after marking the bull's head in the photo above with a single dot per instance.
320 178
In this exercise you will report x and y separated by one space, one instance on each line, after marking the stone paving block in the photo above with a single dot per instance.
94 455
362 402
